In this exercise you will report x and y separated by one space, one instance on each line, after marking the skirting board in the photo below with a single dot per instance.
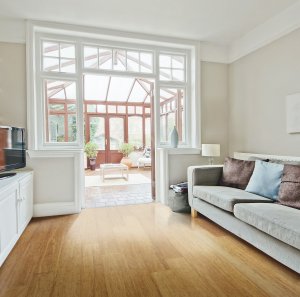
54 209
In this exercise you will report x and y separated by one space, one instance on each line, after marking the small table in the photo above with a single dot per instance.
114 167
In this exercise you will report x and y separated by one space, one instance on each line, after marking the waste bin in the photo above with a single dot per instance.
178 199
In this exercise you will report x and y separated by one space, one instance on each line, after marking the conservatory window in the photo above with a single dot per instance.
172 67
61 115
104 58
59 57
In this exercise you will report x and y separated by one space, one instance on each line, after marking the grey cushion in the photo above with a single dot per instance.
279 221
225 197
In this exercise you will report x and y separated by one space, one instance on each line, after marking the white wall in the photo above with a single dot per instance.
258 86
214 105
12 84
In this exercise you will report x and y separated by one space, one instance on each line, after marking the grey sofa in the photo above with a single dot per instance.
270 227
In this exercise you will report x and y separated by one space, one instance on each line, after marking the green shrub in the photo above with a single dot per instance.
126 149
91 150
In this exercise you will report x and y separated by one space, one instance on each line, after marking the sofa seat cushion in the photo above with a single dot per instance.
225 197
277 220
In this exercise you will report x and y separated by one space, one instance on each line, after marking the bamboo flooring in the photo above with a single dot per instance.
138 250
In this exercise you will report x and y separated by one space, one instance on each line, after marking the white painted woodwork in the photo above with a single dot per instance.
16 205
59 181
246 156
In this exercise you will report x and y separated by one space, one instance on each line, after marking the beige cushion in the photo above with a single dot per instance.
225 197
277 220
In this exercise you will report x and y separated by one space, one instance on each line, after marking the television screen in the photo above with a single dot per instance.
12 148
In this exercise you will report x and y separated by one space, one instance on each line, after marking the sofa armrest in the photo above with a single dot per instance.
207 175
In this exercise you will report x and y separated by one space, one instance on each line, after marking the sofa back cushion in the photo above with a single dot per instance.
289 191
236 173
266 179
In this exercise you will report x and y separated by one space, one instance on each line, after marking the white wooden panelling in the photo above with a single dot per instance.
76 181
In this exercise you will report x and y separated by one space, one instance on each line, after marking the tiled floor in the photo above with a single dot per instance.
118 195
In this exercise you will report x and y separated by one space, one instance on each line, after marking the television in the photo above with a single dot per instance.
12 150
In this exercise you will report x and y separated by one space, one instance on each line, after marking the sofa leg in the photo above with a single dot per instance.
194 213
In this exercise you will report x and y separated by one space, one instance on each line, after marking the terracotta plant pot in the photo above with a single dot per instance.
126 161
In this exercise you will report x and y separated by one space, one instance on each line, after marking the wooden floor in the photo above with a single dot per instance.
139 250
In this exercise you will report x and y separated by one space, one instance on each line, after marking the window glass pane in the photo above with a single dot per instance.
51 49
133 61
62 127
131 109
72 128
71 107
105 58
139 109
101 108
97 132
90 57
170 124
116 130
70 90
56 128
165 74
148 132
178 62
147 100
119 60
146 62
56 107
95 87
119 88
67 50
163 129
165 61
172 108
112 109
147 110
91 107
121 109
135 131
51 64
67 65
178 75
61 90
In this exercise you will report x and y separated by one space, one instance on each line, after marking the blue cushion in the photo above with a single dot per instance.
265 179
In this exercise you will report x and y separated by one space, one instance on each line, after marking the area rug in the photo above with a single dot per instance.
115 180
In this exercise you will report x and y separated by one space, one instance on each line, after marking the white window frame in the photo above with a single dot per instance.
82 36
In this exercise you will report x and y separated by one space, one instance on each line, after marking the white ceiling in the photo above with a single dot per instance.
217 21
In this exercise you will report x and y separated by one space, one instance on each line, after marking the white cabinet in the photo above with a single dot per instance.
8 220
25 202
16 204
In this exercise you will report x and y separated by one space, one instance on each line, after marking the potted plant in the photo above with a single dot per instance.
91 150
126 149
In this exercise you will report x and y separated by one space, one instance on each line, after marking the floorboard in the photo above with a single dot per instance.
139 250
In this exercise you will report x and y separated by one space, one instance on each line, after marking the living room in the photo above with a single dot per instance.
239 88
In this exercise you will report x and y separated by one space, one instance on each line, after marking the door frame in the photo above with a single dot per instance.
107 151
